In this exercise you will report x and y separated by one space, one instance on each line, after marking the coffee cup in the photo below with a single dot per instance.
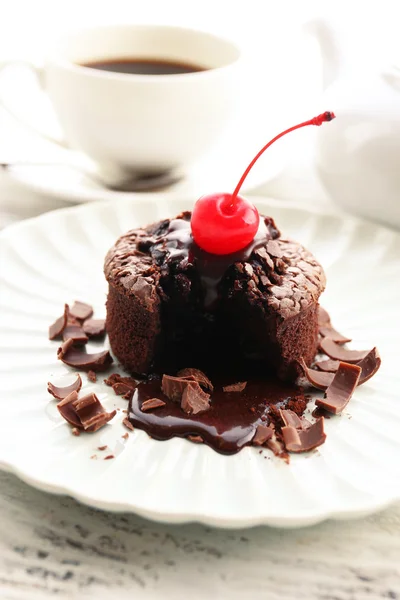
142 122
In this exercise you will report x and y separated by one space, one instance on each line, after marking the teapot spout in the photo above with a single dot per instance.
328 43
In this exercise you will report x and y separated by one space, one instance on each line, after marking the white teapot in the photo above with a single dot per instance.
358 155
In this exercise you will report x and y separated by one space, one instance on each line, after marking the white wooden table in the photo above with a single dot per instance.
51 546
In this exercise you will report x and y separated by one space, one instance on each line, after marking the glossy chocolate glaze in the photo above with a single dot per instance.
177 245
230 423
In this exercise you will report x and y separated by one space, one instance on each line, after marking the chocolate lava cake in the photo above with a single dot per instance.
170 304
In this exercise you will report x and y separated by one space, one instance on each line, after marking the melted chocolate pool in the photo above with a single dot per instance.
230 423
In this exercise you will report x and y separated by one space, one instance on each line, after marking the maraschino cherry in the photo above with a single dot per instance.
224 223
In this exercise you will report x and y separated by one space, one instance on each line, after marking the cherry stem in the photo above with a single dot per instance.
322 118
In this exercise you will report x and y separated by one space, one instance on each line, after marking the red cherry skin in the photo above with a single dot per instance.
221 225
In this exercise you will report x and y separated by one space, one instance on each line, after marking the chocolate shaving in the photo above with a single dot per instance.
331 333
75 333
85 413
369 365
326 330
275 445
196 375
57 328
196 439
62 392
339 392
80 310
67 410
92 376
173 387
79 359
125 436
290 419
318 379
76 431
235 387
330 366
323 317
262 435
94 328
102 448
109 456
73 321
194 399
303 440
128 424
152 403
63 349
92 413
337 352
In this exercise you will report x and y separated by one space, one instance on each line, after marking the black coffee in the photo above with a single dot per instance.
144 66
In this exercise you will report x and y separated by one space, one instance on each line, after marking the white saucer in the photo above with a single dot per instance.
219 171
58 257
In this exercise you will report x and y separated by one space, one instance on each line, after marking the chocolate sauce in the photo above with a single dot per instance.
229 424
143 66
177 245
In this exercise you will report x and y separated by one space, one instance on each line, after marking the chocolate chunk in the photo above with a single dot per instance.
92 376
94 328
173 387
303 440
122 389
369 365
318 379
330 366
262 435
62 392
194 399
79 359
337 352
75 333
235 387
196 439
339 392
57 328
128 424
81 311
197 375
152 403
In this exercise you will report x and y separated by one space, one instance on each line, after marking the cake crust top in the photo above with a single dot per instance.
276 271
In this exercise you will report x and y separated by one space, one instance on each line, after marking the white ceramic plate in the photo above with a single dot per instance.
58 257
